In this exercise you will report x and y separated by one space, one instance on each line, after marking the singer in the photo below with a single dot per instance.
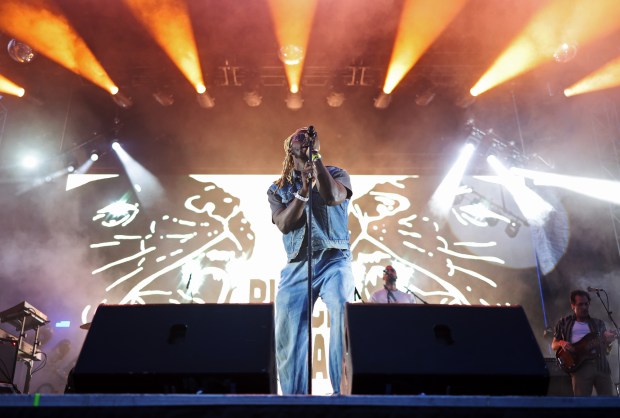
303 172
593 371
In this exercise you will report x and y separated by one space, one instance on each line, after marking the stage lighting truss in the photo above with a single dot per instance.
485 212
475 137
489 143
255 82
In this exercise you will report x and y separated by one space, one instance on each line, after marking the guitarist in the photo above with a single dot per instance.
594 371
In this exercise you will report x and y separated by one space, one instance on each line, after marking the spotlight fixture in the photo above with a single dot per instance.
424 91
294 101
116 145
492 221
425 97
20 52
205 100
94 155
512 229
465 100
335 99
123 101
164 98
71 166
7 86
30 98
30 161
252 98
383 100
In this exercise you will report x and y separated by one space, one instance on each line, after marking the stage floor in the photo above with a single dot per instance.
238 406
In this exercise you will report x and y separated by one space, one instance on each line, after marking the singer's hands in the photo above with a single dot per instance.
308 174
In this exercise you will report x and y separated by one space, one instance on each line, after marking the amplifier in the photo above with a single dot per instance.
8 349
560 383
25 349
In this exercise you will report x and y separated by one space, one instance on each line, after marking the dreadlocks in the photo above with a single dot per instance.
287 165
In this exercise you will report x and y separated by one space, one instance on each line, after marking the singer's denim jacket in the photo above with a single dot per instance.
329 223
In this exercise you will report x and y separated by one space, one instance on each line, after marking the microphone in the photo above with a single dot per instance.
311 137
311 132
595 289
189 280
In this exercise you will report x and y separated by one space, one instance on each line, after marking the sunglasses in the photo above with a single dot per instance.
302 137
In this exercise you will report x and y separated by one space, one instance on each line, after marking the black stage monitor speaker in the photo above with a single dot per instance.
192 348
441 349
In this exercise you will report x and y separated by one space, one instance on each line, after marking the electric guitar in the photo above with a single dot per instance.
589 347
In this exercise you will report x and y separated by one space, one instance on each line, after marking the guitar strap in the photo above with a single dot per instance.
390 295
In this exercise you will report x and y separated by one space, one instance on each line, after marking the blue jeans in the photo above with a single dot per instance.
333 282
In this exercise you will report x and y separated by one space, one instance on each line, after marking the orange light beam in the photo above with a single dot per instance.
606 77
421 23
42 26
292 25
169 24
560 21
8 87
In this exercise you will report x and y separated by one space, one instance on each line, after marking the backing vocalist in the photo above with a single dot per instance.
303 172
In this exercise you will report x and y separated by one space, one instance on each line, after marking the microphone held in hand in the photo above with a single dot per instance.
311 132
595 289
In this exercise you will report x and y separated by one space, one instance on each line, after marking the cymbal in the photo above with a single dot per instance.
86 325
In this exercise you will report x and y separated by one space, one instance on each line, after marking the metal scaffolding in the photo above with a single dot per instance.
606 131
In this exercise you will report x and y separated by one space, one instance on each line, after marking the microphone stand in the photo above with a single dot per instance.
191 293
415 295
311 138
356 295
609 312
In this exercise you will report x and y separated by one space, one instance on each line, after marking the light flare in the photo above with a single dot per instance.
41 25
533 207
421 23
292 25
169 24
8 87
442 199
606 77
560 21
605 190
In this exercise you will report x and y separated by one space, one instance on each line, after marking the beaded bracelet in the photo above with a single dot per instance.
300 197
